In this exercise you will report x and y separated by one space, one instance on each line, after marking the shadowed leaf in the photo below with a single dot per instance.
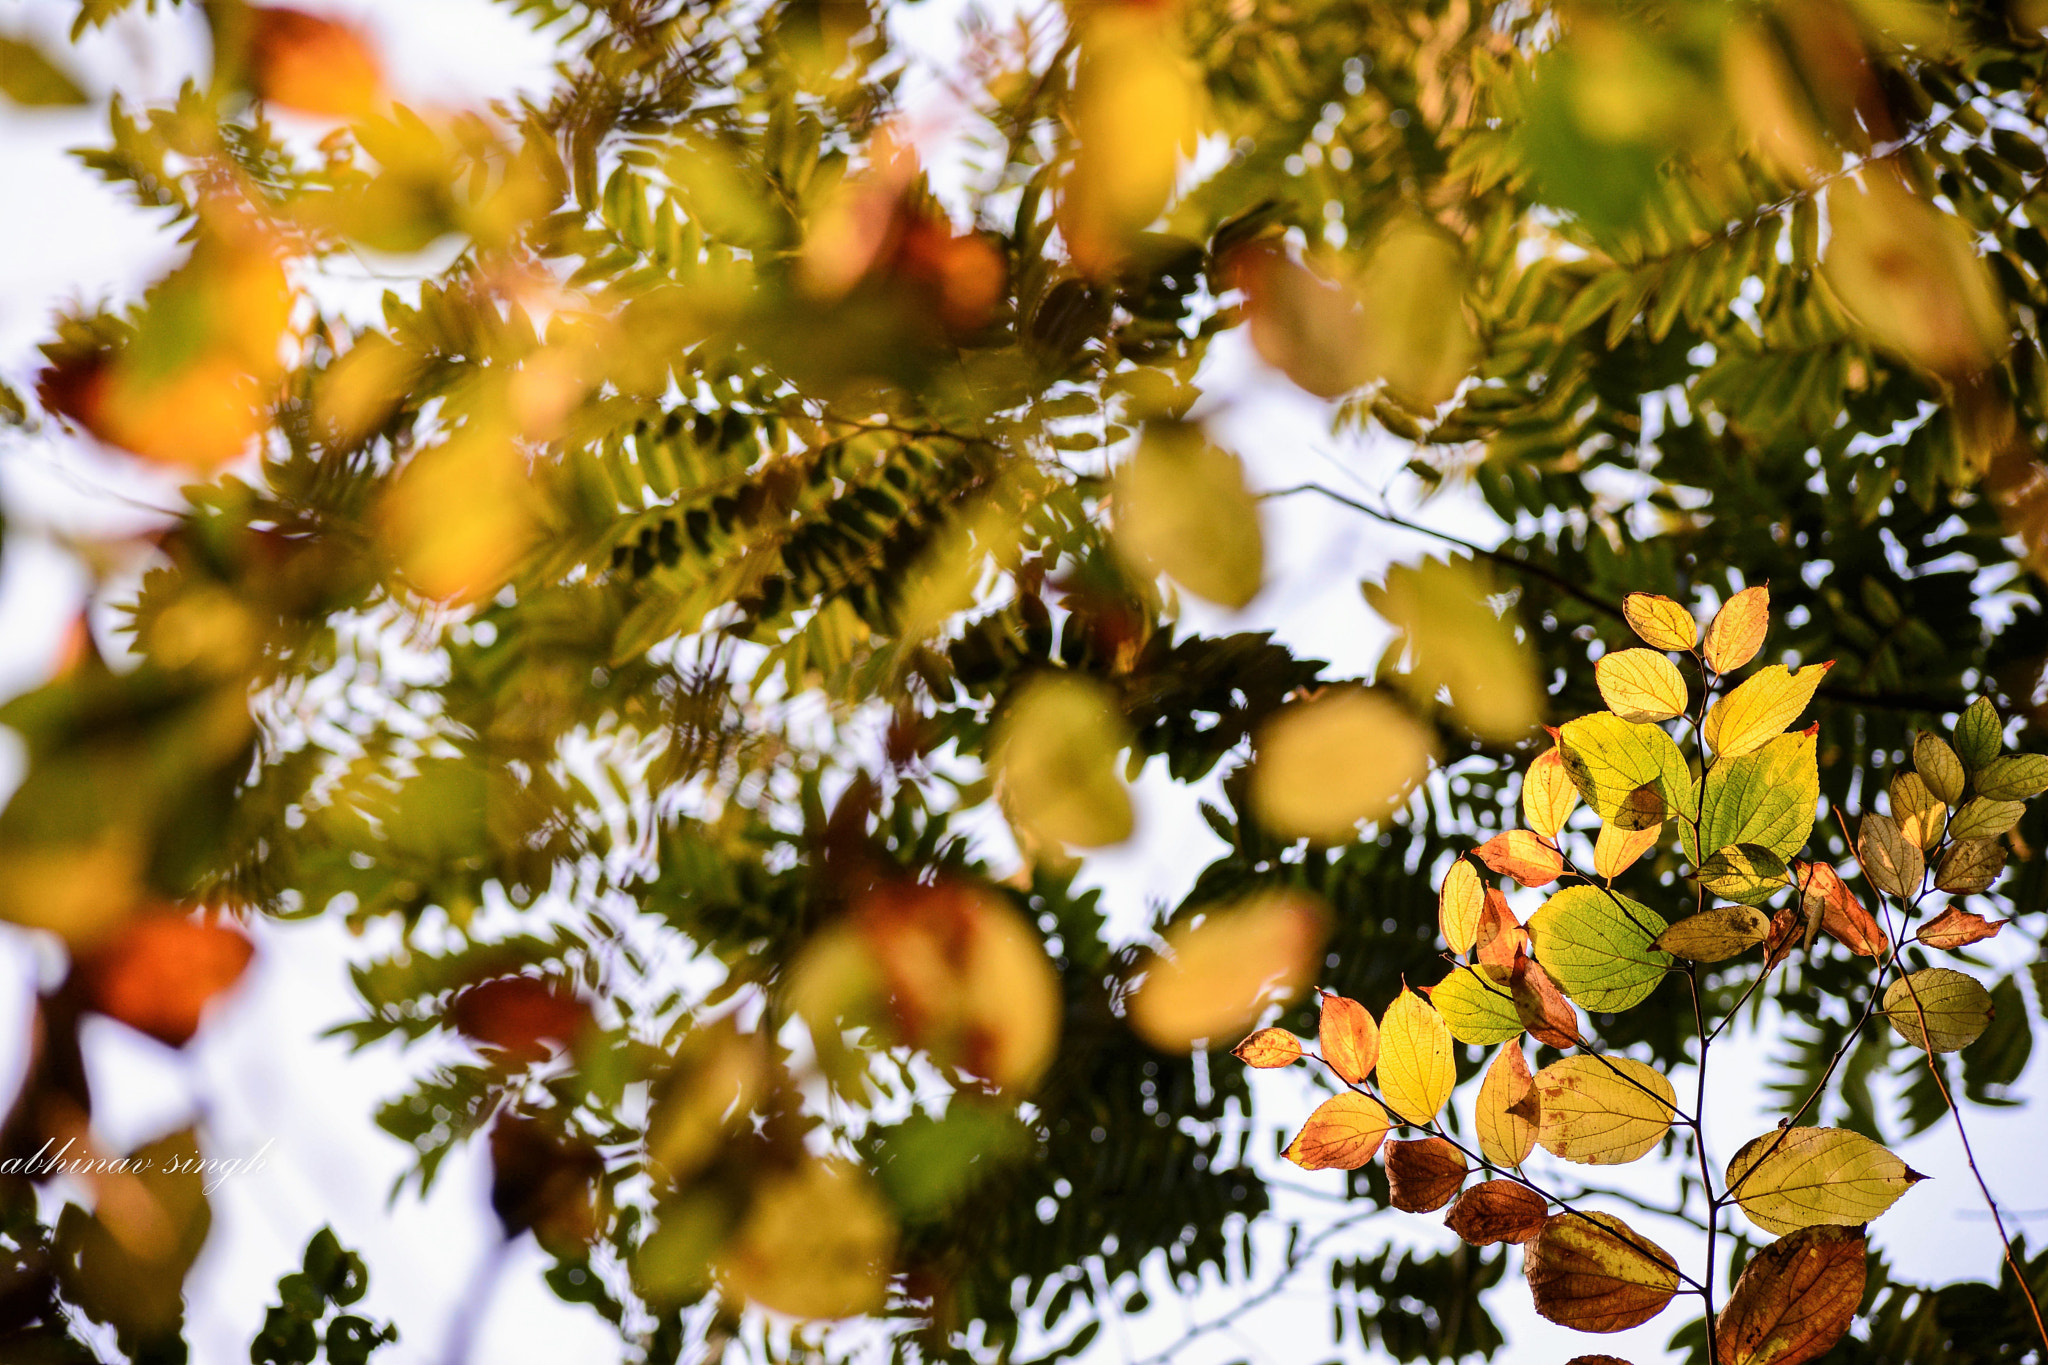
1594 1273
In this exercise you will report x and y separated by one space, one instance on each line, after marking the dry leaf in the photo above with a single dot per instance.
1594 1273
1954 928
1497 1211
1423 1174
1506 1137
1795 1299
1350 1039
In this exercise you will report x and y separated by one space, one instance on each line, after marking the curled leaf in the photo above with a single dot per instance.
1737 631
1423 1174
1640 685
1506 1133
1497 1211
1955 928
1543 1010
1349 1038
1938 1009
1502 938
1823 893
1658 621
1342 1134
1594 1273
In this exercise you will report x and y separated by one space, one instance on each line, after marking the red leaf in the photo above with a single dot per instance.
161 972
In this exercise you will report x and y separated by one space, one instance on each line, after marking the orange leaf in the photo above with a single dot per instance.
1349 1037
1423 1174
1617 848
1529 858
1497 1211
1795 1299
1737 631
1824 892
1342 1134
1459 904
1594 1273
1269 1047
1502 939
1215 978
1786 928
160 973
312 64
1954 928
1505 1137
1545 1012
519 1015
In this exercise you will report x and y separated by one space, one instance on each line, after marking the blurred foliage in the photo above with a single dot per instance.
735 520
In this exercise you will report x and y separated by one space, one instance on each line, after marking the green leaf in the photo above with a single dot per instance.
2016 777
1983 818
1766 798
1609 759
1793 1178
1979 734
1477 1005
1596 944
1954 1005
1749 873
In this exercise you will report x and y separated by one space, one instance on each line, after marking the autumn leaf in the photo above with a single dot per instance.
1749 873
1416 1070
1342 1134
1737 631
1787 932
1324 765
1983 818
1610 759
1825 894
1765 798
1543 1010
1659 621
1477 1004
1548 794
1891 860
1793 1178
161 972
2016 777
1459 904
1922 816
1938 1007
522 1016
1641 685
1349 1038
816 1243
1616 850
1970 865
1502 938
1761 708
1596 945
1506 1136
1939 767
312 64
1716 934
1423 1174
1056 746
1601 1111
1594 1273
1529 858
1795 1299
1182 509
1216 977
1497 1211
1269 1047
1957 928
1911 276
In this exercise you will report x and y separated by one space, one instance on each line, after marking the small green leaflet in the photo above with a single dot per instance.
1477 1005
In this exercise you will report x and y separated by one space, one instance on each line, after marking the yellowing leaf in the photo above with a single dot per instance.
1939 1008
1477 1004
1912 277
1497 1211
1506 1137
1548 794
1749 873
1823 893
1922 815
1983 818
1795 1299
1416 1071
1269 1047
1716 934
1594 1273
1182 509
1641 685
1349 1038
1454 640
1527 857
1324 765
1602 1111
1759 710
2016 777
1970 865
1056 748
1891 860
1458 905
1342 1134
816 1243
1793 1178
1737 631
1956 928
1423 1174
1617 849
1765 798
1596 944
1412 289
1939 767
1216 977
1611 759
1659 621
1501 936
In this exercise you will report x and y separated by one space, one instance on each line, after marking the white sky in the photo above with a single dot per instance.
256 1076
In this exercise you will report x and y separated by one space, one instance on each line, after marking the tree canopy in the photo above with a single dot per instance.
753 559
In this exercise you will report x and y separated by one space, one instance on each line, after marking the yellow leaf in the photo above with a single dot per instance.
1056 748
1455 641
1758 711
1912 277
816 1243
1793 1178
1548 794
1523 855
1342 1134
1216 977
1659 621
1938 1007
1505 1137
1737 631
1459 904
1350 1039
1939 767
1893 862
1795 1299
1715 935
1412 290
1182 509
1269 1047
1617 848
1641 685
1416 1071
1601 1111
1922 815
1324 765
1594 1273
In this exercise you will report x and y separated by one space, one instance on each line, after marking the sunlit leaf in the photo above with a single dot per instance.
1617 849
160 974
1596 945
1416 1070
1548 794
1594 1273
1056 750
1795 1299
1921 815
1759 710
816 1243
523 1017
1957 928
1342 1134
1477 1004
1767 798
1182 509
1215 977
1325 765
1983 818
1423 1174
1609 759
1349 1039
1519 853
1417 336
2015 777
1939 767
1269 1047
1459 905
1506 1135
1601 1111
1824 894
1501 938
312 64
1737 631
1715 934
1641 685
1497 1211
29 77
1659 622
1891 860
125 1262
1938 1008
1455 639
1543 1010
1793 1178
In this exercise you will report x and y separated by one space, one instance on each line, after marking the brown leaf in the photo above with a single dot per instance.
1785 931
1795 1299
1269 1047
1423 1174
1350 1039
521 1016
544 1181
1970 865
1594 1273
1528 857
1497 1211
1544 1011
1954 928
1502 939
161 972
1343 1133
1823 892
